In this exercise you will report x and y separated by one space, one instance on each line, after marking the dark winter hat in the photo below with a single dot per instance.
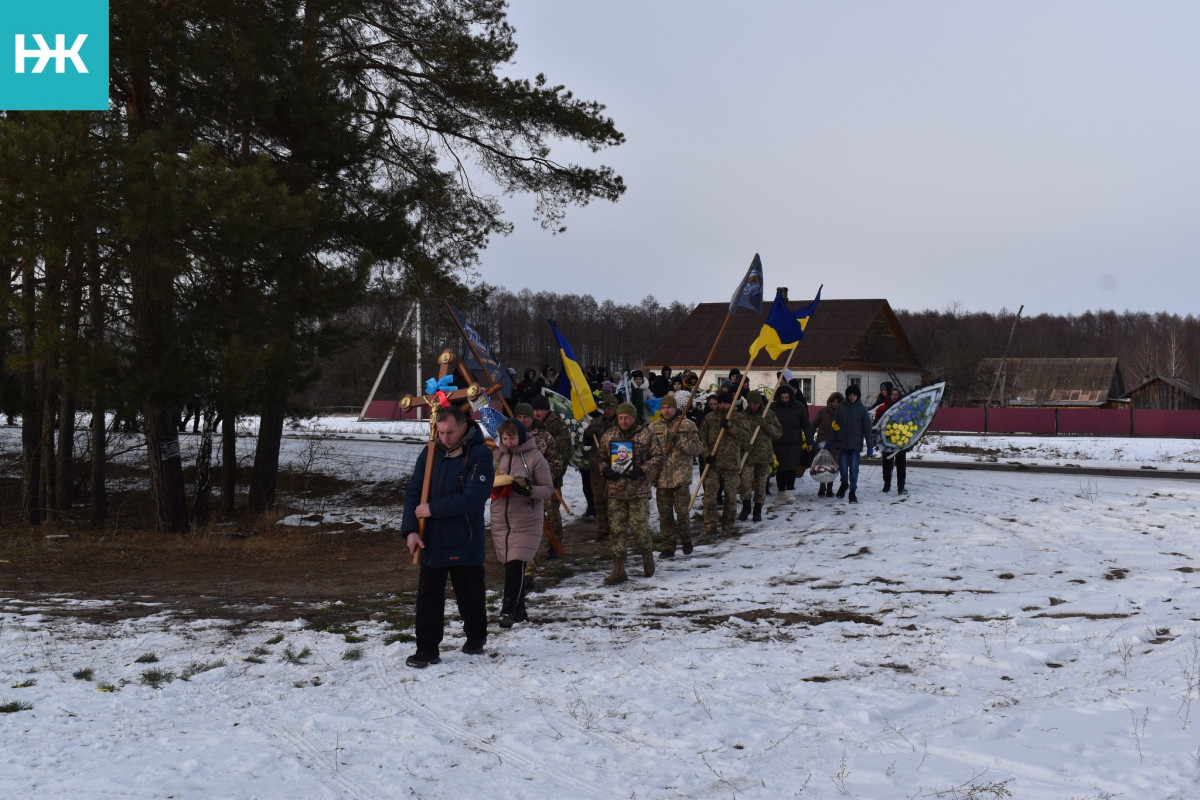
523 410
540 401
725 397
754 398
626 408
522 434
669 400
852 389
637 373
885 386
784 389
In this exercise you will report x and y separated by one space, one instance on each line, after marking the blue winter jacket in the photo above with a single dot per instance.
458 494
855 427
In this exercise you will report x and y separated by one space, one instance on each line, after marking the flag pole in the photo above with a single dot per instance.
767 407
554 543
736 394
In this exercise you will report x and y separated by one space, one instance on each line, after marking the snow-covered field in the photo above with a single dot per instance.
992 634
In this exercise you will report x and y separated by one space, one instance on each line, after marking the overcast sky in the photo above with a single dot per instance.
990 154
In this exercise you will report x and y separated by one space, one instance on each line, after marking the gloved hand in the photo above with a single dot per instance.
636 474
521 486
610 473
671 437
725 423
870 452
710 460
756 421
747 447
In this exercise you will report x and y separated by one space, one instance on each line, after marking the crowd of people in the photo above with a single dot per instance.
640 446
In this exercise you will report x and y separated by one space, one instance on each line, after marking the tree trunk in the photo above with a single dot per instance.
31 417
229 462
200 502
99 427
99 463
266 457
168 494
46 446
64 470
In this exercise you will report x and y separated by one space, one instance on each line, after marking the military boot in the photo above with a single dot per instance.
648 563
618 573
757 512
745 513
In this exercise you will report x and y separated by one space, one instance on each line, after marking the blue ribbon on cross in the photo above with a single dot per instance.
445 384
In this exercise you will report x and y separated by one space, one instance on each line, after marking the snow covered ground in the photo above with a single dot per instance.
992 634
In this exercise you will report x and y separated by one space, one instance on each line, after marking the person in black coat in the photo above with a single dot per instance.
794 447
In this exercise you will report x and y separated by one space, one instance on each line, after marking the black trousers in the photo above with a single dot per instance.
901 468
587 490
469 591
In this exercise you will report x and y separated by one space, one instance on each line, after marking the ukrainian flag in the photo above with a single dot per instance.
582 402
784 328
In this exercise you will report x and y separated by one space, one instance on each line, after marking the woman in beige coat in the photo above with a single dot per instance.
522 485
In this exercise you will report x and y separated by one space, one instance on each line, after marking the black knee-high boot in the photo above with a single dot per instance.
514 584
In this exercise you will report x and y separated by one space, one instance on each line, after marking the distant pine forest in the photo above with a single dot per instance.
950 342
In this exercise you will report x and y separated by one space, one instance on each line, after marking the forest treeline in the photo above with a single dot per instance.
264 167
514 326
949 342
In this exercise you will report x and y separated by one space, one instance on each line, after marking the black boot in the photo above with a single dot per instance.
900 489
745 514
757 512
506 613
887 486
520 614
821 487
853 497
841 492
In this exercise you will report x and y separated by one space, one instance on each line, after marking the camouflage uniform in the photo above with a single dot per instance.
674 481
757 469
557 429
724 472
598 460
629 498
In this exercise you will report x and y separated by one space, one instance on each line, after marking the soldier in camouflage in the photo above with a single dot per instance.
674 482
724 464
552 423
629 490
759 454
597 460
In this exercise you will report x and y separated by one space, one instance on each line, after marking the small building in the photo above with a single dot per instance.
1165 394
845 342
1048 383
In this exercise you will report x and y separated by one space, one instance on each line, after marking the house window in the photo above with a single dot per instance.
854 380
806 388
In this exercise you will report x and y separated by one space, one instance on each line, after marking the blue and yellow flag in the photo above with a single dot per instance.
582 402
784 328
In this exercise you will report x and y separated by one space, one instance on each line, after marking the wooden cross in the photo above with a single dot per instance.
434 401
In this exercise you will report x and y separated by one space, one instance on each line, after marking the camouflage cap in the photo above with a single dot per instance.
610 401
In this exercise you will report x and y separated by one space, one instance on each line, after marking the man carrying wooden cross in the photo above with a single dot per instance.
446 496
